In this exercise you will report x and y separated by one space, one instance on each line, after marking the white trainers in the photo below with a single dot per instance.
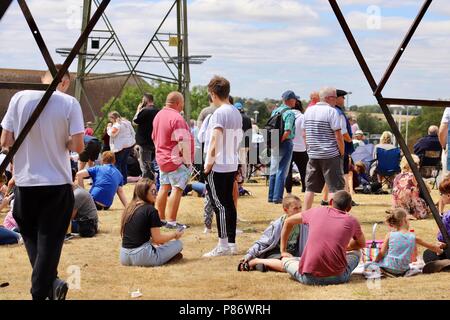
206 231
217 252
233 248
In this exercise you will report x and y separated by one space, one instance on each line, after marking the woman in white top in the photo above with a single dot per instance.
121 142
299 155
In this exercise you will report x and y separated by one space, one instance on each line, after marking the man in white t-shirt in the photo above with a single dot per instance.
221 164
443 136
44 198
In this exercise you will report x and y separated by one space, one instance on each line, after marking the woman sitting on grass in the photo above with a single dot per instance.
265 253
142 242
406 192
400 245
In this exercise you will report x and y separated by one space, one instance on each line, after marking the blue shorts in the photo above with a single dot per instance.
177 179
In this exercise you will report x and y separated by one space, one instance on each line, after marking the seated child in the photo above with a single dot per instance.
84 216
142 242
106 182
9 222
399 245
265 253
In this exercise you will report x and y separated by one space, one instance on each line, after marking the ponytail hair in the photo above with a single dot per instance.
395 217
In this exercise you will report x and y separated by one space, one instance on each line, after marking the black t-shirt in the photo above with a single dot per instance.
144 120
137 230
247 128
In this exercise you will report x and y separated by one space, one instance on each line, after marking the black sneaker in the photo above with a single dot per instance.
354 204
60 289
68 237
324 203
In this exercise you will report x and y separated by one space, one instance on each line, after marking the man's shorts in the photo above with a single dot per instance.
177 179
321 171
91 151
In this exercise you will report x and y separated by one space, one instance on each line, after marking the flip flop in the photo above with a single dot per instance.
437 266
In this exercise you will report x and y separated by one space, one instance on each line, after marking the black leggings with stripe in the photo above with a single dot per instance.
220 191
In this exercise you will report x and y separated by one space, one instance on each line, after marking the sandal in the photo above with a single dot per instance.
243 266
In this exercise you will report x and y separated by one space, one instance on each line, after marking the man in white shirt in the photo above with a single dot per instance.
222 163
44 198
325 146
443 136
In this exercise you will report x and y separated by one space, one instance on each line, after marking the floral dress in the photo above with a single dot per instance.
406 195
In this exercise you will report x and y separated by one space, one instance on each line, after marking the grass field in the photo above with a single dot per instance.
194 277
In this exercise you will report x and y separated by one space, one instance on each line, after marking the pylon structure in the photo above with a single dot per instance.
377 89
177 67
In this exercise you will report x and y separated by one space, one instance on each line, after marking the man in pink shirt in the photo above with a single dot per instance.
334 240
174 153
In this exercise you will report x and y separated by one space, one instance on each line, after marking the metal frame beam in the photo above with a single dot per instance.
52 87
4 5
383 102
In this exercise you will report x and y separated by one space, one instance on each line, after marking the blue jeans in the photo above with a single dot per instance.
8 236
149 256
279 168
291 267
121 162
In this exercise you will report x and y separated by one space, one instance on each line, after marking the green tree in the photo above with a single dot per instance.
199 100
418 127
371 124
131 96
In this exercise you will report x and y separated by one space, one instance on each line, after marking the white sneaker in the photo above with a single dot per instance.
206 231
217 252
233 248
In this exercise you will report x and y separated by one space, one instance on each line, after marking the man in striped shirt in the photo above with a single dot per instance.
325 147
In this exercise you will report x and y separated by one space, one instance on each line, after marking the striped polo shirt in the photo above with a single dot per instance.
320 124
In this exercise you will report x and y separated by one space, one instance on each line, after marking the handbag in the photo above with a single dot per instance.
373 247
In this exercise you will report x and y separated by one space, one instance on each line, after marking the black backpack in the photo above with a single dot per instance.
275 122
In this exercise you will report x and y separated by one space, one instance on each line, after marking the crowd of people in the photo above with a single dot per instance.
316 246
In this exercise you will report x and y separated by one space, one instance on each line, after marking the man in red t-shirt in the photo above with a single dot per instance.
174 147
334 240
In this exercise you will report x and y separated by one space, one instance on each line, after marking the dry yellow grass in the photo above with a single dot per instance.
102 276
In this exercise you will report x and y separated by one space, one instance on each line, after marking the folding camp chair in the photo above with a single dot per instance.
388 165
431 166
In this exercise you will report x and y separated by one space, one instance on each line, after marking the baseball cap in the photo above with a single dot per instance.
359 133
238 106
289 95
341 93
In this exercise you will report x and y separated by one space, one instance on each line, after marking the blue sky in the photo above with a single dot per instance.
263 47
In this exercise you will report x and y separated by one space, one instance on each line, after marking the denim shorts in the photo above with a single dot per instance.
178 178
291 267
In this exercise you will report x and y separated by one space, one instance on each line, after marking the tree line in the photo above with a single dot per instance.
126 105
